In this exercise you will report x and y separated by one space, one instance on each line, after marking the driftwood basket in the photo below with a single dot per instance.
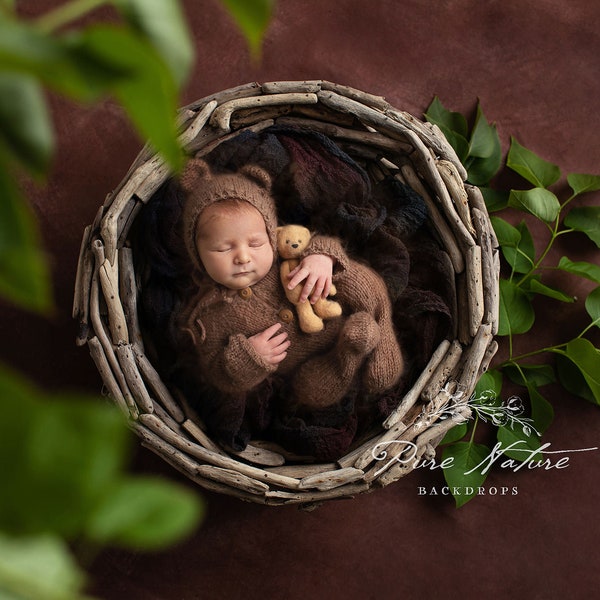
399 144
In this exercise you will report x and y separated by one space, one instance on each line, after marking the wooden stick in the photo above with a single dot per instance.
260 456
160 390
346 491
463 315
388 436
109 281
331 479
83 284
100 331
128 291
241 91
200 120
216 459
134 379
474 289
432 136
352 135
445 367
218 140
477 201
472 357
413 394
110 222
222 114
302 471
378 102
198 434
487 357
233 479
350 459
427 166
457 191
97 354
295 87
491 293
439 223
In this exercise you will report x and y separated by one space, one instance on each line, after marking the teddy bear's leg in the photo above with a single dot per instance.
325 379
327 309
308 321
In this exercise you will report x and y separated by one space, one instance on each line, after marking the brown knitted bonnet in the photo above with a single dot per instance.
202 188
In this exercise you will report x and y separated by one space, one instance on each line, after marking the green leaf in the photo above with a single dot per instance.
252 17
458 142
583 269
484 141
495 200
592 305
55 61
163 24
538 201
542 412
527 374
579 369
24 275
25 127
466 456
100 60
481 170
536 287
148 93
144 513
38 568
517 442
516 244
516 313
456 433
583 183
587 220
529 165
490 381
452 121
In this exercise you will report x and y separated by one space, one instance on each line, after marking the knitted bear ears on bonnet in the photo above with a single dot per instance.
203 188
198 173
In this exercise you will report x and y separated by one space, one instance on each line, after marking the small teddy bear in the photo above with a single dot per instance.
291 242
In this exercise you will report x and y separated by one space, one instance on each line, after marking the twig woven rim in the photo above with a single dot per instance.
398 143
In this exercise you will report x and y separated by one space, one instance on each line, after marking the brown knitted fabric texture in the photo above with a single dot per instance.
202 188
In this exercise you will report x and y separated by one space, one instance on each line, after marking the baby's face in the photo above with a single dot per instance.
234 247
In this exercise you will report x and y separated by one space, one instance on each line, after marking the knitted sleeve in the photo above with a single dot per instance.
230 364
322 244
242 366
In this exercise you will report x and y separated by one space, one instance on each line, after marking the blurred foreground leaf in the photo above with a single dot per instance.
252 17
63 462
38 568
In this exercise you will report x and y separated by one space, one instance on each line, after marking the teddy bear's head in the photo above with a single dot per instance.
292 240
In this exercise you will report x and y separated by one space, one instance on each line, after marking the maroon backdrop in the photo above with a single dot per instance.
534 64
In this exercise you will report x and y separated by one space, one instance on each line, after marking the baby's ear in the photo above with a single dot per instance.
258 175
195 171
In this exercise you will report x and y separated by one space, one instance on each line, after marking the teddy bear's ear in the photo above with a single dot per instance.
195 171
258 175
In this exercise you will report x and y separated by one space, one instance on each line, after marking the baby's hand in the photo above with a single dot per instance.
270 346
317 269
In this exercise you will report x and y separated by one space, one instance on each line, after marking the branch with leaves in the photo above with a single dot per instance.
576 363
63 458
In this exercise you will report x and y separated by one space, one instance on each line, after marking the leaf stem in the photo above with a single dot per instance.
538 262
66 13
